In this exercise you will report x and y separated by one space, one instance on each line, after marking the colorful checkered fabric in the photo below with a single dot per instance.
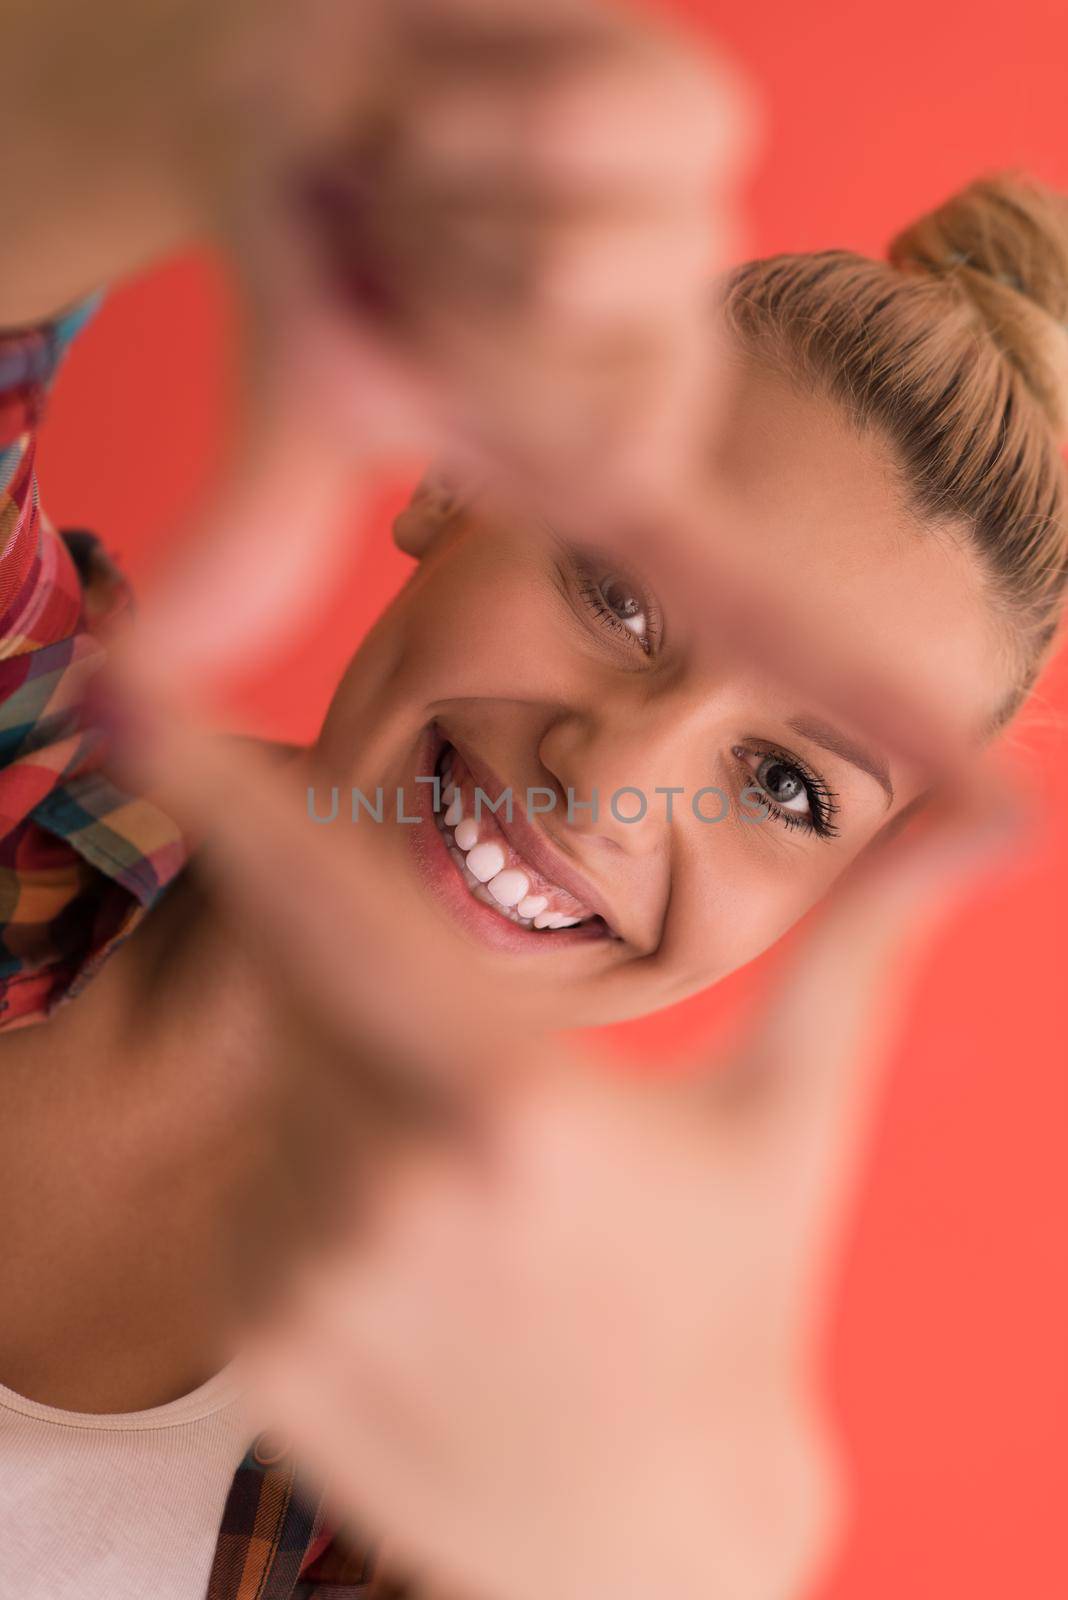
81 860
267 1530
274 1544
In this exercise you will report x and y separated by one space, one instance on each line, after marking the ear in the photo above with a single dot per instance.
434 503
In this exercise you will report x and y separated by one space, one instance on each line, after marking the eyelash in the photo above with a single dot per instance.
592 596
590 590
823 802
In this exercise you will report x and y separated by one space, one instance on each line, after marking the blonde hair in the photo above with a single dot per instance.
955 349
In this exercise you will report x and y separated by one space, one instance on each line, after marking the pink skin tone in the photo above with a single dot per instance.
503 644
493 640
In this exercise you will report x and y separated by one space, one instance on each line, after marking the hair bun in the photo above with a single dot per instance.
1005 240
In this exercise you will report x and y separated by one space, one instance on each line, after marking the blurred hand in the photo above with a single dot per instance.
479 228
566 1320
575 1347
562 1323
487 231
567 1331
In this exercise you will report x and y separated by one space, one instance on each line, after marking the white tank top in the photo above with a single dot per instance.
121 1507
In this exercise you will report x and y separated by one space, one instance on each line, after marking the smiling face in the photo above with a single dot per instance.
518 663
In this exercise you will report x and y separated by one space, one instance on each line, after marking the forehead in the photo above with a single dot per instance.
826 505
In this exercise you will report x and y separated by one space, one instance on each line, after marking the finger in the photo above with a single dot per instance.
601 108
738 606
260 562
320 396
339 931
377 1329
741 602
326 374
804 1083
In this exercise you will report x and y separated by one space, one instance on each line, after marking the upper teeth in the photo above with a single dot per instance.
505 888
509 887
486 861
455 808
466 833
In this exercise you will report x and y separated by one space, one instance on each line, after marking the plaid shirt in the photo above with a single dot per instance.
274 1543
82 862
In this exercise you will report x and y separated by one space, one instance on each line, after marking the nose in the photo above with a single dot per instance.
614 769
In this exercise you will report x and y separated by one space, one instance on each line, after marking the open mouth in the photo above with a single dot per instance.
492 870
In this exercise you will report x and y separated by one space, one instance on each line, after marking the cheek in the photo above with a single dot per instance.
483 621
734 899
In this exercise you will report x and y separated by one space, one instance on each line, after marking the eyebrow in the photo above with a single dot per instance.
839 744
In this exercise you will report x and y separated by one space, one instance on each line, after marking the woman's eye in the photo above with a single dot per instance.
800 798
619 596
620 602
785 785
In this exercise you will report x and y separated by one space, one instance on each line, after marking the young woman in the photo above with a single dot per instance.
894 434
894 439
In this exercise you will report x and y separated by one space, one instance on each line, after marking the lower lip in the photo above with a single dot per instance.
439 873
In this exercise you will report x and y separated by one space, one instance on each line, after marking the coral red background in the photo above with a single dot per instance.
949 1349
